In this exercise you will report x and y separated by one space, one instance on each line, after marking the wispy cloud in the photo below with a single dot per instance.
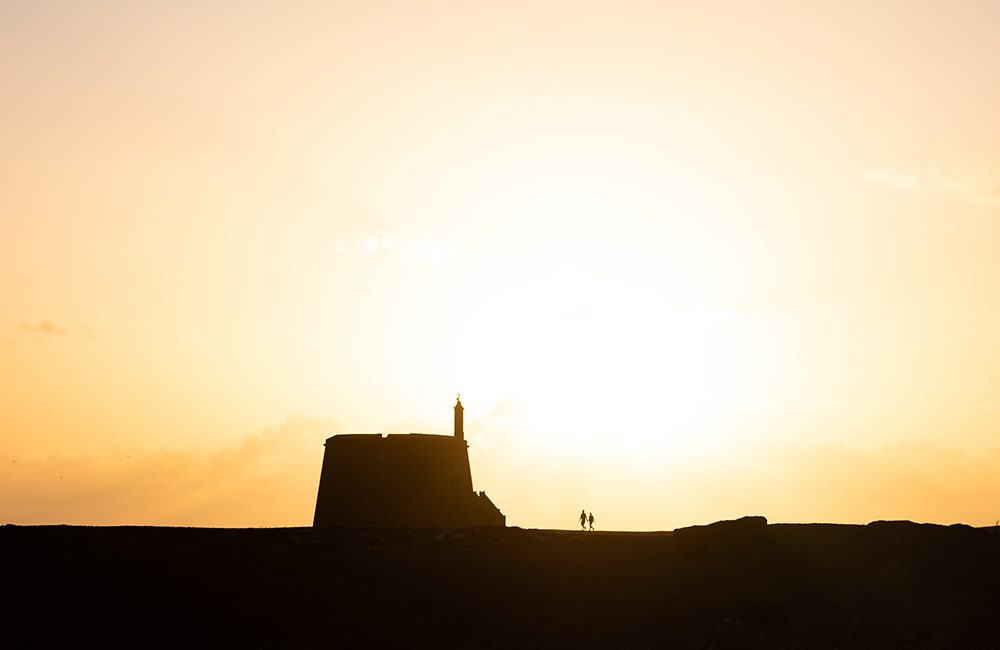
582 315
496 426
976 182
268 480
374 240
705 316
46 330
335 247
891 177
45 327
915 480
433 251
765 404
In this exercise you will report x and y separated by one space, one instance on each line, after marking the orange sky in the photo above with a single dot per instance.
684 261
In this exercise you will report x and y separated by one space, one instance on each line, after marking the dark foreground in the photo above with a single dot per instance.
730 585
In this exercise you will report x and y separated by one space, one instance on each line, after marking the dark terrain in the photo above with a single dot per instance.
740 584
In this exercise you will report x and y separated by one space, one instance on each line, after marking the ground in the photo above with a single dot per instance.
730 585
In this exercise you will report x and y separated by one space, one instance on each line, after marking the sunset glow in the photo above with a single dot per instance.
683 261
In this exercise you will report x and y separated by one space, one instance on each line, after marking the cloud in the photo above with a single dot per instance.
705 316
374 240
498 425
45 327
891 177
270 479
915 480
767 404
433 251
975 182
578 315
919 481
909 479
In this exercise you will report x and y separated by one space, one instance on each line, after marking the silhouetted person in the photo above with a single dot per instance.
583 520
591 520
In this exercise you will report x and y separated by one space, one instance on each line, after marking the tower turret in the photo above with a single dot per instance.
459 419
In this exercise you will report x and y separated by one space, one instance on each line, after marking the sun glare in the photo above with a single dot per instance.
595 355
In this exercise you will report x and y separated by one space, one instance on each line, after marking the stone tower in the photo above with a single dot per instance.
401 479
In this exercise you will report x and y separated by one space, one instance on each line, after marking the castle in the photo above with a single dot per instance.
400 479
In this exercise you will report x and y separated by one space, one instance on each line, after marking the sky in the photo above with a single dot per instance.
683 261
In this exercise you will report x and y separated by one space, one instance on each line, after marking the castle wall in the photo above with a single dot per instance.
400 480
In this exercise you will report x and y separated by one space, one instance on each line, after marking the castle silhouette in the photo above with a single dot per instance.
401 479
